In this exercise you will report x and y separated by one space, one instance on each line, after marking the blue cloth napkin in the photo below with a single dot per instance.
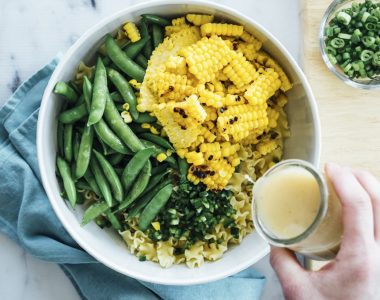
27 217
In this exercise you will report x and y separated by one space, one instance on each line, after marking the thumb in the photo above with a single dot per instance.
287 268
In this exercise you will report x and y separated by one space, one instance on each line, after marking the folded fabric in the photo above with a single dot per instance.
27 217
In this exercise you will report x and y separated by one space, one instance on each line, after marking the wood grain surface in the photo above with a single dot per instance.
350 118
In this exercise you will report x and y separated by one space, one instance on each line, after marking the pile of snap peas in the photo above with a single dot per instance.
99 153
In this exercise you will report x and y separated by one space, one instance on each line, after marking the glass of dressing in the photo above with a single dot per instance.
295 206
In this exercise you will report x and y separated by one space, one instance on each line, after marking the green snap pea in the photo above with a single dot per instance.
138 187
133 49
87 92
127 65
116 158
82 185
157 150
158 35
84 153
142 61
101 146
134 167
76 143
116 97
159 169
68 142
157 140
152 209
110 174
113 220
148 49
101 181
183 168
60 127
73 114
99 94
122 130
109 138
125 91
145 198
145 118
154 19
90 178
68 182
155 180
119 171
63 89
94 211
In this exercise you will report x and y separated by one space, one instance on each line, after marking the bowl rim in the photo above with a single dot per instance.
41 124
322 47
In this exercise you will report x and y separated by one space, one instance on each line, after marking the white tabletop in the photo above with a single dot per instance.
32 32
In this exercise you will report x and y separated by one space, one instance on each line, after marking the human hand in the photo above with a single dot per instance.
355 272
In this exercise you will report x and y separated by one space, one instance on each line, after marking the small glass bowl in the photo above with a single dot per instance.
361 83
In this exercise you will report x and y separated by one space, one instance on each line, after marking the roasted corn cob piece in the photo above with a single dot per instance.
221 29
240 71
132 32
206 57
199 20
263 88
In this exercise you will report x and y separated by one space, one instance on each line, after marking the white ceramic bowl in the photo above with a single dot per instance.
104 245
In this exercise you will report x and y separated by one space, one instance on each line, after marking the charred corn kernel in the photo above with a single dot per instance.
145 125
230 100
239 110
249 50
229 149
136 85
156 225
154 130
250 39
272 117
198 141
192 108
266 147
264 59
210 98
199 20
221 29
126 106
169 152
179 21
195 158
209 124
240 71
281 100
132 32
168 86
253 138
177 65
263 88
140 107
206 57
126 116
192 178
233 89
161 157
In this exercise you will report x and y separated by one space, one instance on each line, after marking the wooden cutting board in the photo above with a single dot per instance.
350 118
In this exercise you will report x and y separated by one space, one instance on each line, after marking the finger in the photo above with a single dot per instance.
284 262
372 186
356 205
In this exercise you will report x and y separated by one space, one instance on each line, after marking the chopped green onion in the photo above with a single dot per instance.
366 55
343 18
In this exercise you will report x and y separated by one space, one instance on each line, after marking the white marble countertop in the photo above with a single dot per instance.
32 32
